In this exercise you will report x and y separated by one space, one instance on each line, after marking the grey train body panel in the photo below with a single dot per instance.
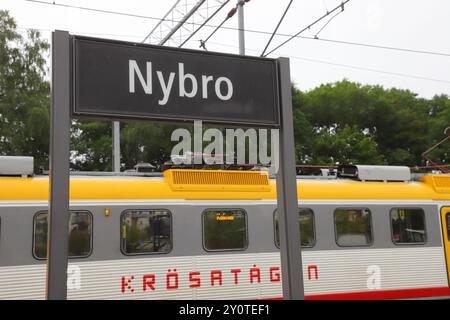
16 227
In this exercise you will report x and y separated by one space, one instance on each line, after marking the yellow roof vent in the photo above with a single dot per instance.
440 183
217 180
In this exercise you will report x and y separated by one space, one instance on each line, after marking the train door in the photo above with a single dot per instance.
445 216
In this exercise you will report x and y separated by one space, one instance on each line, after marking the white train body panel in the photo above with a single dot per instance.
325 272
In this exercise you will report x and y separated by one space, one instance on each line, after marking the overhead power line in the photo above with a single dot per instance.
348 66
341 6
368 45
204 23
286 55
229 15
276 28
328 22
371 70
289 56
85 33
94 10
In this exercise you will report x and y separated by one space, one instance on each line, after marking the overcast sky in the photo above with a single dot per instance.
409 24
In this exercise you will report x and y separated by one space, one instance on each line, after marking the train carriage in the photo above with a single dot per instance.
207 234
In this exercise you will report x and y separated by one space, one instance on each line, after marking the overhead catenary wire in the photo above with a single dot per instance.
203 42
341 6
328 40
97 10
276 28
371 69
328 22
405 75
376 46
229 15
203 24
368 45
294 57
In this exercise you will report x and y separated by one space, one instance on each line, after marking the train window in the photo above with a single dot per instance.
353 227
408 225
224 229
80 234
146 231
306 225
448 226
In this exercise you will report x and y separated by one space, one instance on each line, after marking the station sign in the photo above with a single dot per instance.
114 80
122 80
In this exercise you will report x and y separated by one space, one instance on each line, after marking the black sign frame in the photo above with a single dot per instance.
78 112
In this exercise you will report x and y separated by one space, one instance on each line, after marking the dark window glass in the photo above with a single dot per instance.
353 227
408 225
225 229
40 235
306 225
448 226
80 234
146 231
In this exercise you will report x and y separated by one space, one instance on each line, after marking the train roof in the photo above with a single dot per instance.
221 185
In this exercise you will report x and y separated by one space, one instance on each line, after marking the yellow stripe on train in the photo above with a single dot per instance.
221 184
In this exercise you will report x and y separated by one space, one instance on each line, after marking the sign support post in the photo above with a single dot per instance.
287 200
58 214
116 146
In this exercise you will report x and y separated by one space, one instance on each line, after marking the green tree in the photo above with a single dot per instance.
399 123
395 123
342 122
439 111
303 130
345 145
146 142
24 93
91 145
139 142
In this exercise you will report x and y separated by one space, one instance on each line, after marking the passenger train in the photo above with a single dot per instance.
213 234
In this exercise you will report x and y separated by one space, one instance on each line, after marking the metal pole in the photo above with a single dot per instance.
58 214
290 249
116 146
241 27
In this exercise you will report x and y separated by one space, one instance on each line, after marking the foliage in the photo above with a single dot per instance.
342 122
370 124
346 145
146 142
24 93
91 145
